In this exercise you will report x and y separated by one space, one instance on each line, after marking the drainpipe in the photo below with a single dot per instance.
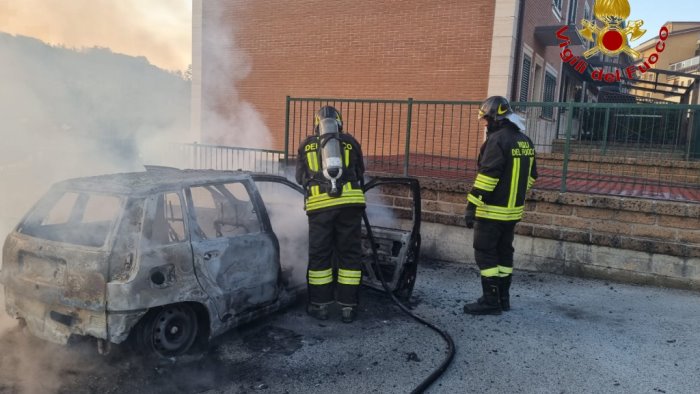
518 48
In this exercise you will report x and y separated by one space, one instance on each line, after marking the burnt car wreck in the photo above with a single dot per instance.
170 258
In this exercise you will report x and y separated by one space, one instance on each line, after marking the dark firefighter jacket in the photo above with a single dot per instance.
506 171
309 174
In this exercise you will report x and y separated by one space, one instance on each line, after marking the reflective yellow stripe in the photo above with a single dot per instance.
312 160
487 179
485 182
350 273
504 271
489 272
315 190
347 157
530 179
320 281
514 179
500 213
347 187
321 277
349 277
474 200
351 196
320 274
349 281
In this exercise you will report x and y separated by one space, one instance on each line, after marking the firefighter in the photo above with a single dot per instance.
330 168
506 170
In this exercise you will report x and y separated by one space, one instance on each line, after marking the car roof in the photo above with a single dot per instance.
146 182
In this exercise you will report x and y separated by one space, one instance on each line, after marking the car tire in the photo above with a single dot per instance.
168 331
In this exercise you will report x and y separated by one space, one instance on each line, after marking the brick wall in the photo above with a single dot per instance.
626 239
359 49
539 13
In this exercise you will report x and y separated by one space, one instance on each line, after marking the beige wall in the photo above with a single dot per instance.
679 47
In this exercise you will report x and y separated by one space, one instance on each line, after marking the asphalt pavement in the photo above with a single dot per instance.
562 335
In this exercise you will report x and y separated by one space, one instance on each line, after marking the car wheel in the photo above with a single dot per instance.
168 331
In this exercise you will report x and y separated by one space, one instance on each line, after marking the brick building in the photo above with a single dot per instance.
249 55
257 53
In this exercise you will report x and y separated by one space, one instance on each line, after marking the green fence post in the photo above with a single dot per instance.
605 131
567 145
694 135
409 116
286 135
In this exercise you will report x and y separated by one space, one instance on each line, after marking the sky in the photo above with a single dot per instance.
655 13
160 30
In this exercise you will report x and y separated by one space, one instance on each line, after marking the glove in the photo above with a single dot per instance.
470 215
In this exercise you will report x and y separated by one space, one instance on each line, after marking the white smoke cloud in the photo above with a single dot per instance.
66 114
226 117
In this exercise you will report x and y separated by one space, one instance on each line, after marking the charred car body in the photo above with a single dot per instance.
170 257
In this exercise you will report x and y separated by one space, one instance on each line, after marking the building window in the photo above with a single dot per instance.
556 8
525 79
573 5
587 15
550 82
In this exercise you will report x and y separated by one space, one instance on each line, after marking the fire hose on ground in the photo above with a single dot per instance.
448 339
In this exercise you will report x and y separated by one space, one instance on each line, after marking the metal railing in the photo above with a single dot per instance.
641 150
220 157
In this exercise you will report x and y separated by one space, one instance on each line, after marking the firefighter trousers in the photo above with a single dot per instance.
493 247
335 255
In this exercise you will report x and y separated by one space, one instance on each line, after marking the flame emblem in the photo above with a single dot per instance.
612 37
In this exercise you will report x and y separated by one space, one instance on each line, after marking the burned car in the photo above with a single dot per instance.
171 258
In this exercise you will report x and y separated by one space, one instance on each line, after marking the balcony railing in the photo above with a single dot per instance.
686 65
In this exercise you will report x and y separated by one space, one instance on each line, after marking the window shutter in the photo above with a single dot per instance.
525 79
549 85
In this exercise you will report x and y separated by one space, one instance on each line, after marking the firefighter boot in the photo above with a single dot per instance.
317 311
504 290
348 314
489 303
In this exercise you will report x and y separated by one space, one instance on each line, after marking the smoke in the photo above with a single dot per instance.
71 113
289 222
226 117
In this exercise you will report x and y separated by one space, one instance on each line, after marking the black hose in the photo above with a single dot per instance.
448 339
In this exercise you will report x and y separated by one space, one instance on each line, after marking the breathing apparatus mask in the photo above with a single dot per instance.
331 153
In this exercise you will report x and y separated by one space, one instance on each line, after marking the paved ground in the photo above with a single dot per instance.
563 335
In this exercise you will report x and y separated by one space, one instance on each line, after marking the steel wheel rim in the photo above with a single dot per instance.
173 331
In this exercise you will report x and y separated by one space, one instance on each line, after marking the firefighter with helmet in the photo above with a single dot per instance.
330 168
506 170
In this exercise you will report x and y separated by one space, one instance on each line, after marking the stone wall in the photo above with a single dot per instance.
663 167
618 238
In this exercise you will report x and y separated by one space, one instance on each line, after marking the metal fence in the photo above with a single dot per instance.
219 157
640 150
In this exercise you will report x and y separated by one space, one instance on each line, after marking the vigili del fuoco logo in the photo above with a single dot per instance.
611 38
